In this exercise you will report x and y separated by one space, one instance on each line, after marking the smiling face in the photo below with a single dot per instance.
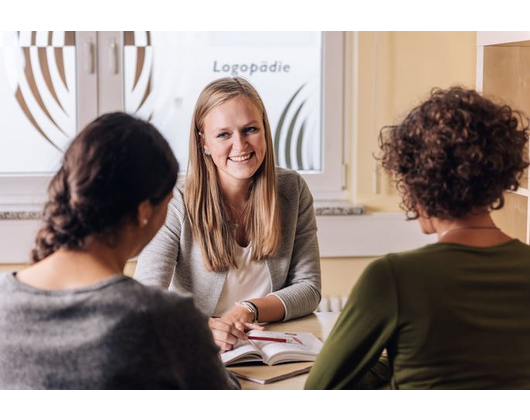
234 136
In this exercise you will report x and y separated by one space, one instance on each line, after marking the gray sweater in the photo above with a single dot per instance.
117 334
174 260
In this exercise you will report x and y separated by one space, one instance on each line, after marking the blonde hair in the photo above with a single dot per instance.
207 209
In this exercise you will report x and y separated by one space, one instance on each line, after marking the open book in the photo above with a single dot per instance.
273 347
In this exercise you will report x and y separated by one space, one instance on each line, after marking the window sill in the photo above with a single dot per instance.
344 230
322 208
337 208
20 215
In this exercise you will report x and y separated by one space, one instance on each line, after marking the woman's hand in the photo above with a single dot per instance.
225 334
239 316
231 327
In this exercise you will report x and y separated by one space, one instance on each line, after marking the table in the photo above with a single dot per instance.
320 324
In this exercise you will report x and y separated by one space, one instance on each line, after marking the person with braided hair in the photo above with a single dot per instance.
72 320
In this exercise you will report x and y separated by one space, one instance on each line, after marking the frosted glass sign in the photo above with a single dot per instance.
164 73
37 100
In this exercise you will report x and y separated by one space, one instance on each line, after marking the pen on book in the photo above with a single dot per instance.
278 340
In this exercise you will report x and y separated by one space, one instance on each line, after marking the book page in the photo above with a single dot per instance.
243 351
298 346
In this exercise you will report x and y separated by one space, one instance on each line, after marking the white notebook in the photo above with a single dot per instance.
286 347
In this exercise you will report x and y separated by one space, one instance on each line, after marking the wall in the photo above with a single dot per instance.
395 71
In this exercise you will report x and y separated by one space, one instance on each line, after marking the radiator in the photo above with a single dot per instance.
332 303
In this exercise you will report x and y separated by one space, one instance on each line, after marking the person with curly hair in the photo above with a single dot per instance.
453 314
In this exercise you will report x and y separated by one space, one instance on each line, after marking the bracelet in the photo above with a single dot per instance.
256 311
252 308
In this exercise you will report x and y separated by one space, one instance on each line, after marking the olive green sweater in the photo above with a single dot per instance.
450 316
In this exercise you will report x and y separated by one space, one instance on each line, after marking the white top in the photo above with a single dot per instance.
249 281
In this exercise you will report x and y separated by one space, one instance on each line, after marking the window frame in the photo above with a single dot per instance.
331 183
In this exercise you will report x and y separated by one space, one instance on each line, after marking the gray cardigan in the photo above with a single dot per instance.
173 260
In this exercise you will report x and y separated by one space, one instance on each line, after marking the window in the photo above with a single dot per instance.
165 71
39 93
53 83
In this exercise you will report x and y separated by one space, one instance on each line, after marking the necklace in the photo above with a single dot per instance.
241 212
445 232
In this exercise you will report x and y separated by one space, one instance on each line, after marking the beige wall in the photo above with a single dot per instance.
395 71
11 267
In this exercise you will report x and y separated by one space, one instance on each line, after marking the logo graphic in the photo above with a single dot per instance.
138 54
296 134
41 70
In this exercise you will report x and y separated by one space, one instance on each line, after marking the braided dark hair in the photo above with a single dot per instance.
113 165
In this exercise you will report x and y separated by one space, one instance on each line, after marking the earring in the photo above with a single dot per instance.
145 222
207 152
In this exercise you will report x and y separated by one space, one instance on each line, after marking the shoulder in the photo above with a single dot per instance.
177 206
376 289
288 178
6 280
178 194
423 258
179 188
378 272
165 320
447 255
174 317
428 256
5 276
291 184
164 311
379 278
408 268
161 302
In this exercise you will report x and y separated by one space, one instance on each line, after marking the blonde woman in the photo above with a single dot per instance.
240 234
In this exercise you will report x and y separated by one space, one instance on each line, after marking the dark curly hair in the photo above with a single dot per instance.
113 165
455 153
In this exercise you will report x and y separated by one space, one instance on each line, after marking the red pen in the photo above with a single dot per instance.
278 340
